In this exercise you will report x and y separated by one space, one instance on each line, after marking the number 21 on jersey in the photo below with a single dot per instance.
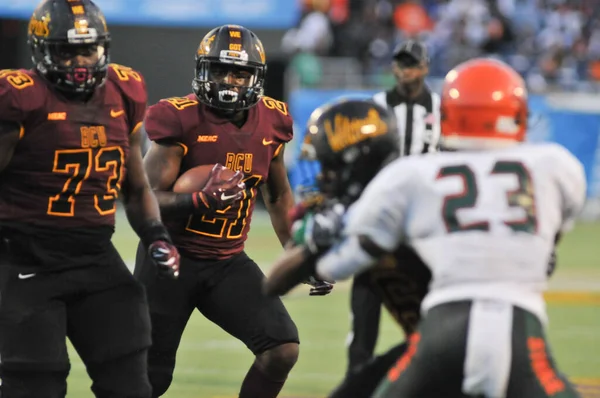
521 197
224 227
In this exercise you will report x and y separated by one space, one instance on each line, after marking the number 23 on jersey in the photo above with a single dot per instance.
522 197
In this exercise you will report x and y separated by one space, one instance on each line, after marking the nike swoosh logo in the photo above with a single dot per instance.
265 142
227 197
26 276
114 113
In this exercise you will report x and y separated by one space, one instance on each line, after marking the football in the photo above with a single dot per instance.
195 178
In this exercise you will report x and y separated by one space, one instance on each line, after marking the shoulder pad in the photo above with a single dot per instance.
180 103
282 120
275 105
21 91
162 121
129 81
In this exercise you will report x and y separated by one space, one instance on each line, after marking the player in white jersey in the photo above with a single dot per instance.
485 219
353 140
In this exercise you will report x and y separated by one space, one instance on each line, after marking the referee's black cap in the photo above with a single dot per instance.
413 49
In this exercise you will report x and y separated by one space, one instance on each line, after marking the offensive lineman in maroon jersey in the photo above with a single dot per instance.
69 146
227 121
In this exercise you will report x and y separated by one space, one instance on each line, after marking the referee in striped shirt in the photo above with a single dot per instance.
418 115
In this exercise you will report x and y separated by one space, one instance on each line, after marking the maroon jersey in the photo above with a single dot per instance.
69 163
208 139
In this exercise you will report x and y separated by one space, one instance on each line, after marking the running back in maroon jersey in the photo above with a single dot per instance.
208 139
69 163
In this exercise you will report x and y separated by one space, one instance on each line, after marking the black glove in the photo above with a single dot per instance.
318 287
166 258
217 193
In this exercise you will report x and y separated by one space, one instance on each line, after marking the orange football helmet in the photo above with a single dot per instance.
483 105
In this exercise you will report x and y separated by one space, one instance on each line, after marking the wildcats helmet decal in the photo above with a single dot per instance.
352 139
343 131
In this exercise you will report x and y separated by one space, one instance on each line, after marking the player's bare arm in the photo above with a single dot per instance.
9 137
143 212
299 263
289 270
278 198
315 233
162 164
140 203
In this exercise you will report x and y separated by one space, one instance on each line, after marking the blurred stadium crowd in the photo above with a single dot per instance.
554 44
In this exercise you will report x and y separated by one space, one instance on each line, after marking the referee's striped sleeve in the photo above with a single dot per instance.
381 99
436 131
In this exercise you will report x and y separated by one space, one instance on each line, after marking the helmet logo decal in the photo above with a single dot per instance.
81 26
82 33
39 27
346 132
205 45
235 34
77 10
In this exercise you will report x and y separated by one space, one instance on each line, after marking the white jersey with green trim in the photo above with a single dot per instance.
484 222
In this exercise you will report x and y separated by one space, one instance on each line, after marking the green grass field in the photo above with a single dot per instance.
212 364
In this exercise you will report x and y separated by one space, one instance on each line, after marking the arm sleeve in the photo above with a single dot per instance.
282 120
279 117
344 260
133 88
137 109
285 132
162 123
14 86
436 131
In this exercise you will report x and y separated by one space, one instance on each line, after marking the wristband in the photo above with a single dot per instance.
152 231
